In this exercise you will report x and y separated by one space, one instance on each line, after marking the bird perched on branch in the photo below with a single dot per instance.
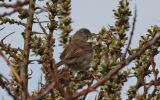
78 54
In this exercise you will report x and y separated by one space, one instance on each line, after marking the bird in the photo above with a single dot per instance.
78 54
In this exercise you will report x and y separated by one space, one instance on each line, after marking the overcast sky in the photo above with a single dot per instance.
95 14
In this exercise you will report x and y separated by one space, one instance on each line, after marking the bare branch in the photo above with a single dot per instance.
2 28
41 21
6 85
41 26
6 36
40 10
2 76
8 14
132 32
37 32
42 93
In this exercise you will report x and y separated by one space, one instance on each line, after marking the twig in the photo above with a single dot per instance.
6 36
1 75
8 14
41 21
50 86
2 28
29 74
39 82
132 32
47 90
4 85
11 21
89 84
2 98
40 10
37 32
154 91
14 5
41 26
9 50
35 60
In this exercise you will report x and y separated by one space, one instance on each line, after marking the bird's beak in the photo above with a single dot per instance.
94 35
93 38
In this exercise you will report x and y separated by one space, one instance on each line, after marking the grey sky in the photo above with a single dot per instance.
94 14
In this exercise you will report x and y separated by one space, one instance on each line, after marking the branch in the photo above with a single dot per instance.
34 32
26 48
42 93
5 20
41 22
2 28
8 14
14 5
4 82
40 10
41 26
9 50
155 90
6 36
132 32
89 84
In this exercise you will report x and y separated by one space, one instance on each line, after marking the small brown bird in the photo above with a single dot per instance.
79 52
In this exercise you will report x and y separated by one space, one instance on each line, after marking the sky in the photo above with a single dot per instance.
91 14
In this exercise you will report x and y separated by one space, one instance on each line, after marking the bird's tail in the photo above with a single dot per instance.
59 63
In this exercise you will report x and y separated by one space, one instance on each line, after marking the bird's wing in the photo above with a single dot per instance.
75 50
